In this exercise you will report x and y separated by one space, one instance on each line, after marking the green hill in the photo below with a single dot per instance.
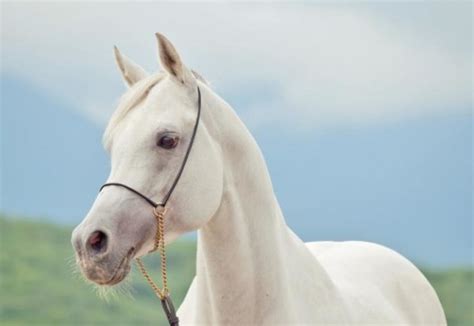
38 285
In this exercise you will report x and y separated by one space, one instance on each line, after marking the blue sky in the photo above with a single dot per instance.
363 111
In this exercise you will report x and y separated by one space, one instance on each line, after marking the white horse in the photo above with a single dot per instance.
251 268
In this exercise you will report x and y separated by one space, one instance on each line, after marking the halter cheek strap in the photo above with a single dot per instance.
159 210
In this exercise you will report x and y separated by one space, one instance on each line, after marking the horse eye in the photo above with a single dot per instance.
168 142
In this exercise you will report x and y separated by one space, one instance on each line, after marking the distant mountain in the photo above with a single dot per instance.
52 159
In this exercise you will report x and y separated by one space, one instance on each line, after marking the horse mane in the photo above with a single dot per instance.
128 101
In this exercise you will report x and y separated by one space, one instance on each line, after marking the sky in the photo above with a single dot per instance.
363 110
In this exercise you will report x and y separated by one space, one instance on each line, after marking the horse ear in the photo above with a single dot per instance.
131 72
171 61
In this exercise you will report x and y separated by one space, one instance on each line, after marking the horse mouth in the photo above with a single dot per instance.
121 271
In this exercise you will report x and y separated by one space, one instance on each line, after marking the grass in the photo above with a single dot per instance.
38 284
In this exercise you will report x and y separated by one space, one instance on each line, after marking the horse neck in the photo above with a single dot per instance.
244 252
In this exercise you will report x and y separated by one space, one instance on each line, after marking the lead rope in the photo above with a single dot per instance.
162 294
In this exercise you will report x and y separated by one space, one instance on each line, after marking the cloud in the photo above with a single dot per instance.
318 64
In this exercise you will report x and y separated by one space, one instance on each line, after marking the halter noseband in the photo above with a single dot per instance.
159 210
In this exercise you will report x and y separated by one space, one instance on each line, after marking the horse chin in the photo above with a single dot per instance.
119 275
100 276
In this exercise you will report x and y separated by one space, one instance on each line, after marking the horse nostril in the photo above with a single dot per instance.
97 242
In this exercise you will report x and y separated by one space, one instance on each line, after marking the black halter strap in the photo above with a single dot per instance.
178 175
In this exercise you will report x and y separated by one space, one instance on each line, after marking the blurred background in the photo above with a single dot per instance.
362 110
